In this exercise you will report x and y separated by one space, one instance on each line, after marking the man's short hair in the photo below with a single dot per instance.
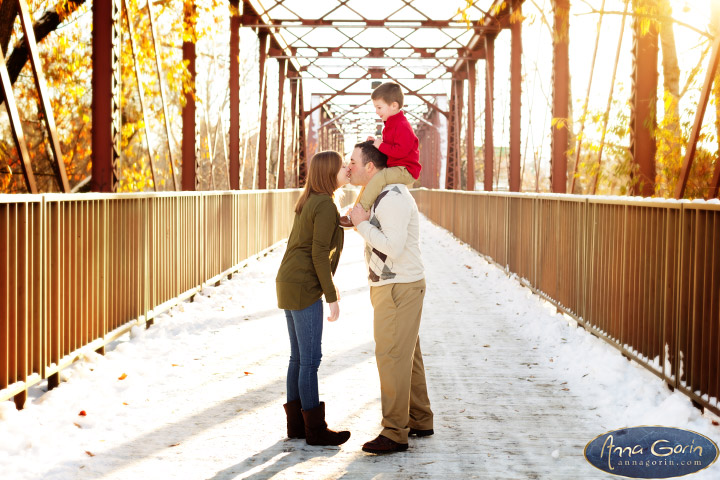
372 154
389 92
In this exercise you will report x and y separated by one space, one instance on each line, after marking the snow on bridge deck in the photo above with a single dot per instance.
517 391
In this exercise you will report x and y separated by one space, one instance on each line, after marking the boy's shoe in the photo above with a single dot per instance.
384 445
345 222
421 433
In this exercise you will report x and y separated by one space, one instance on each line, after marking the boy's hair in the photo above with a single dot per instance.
372 154
389 92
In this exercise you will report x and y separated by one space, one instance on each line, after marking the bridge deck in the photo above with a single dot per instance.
517 392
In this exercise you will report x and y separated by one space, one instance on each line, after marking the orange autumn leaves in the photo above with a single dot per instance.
66 56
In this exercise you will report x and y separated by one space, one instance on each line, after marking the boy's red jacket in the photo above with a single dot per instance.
400 144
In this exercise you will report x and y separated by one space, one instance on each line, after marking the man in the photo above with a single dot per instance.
391 230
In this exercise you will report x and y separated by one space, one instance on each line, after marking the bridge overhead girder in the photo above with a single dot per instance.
338 49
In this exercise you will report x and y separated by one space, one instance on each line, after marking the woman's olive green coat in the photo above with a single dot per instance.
312 256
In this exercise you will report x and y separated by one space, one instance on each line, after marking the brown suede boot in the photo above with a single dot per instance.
316 431
295 422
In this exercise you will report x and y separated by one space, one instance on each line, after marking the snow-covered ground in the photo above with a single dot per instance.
517 391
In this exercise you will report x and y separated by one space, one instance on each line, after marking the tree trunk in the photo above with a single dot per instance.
8 12
44 26
671 69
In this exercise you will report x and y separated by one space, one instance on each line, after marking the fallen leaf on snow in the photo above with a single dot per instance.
174 444
82 413
90 454
123 376
247 373
77 425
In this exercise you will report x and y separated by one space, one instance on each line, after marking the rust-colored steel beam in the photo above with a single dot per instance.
141 94
294 129
253 22
302 139
341 115
421 96
250 18
377 53
16 127
189 146
338 93
643 119
697 125
560 97
515 182
171 157
452 167
488 167
105 95
262 135
262 48
470 137
365 94
234 160
282 66
44 96
492 23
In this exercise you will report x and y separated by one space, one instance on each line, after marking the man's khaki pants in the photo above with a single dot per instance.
405 402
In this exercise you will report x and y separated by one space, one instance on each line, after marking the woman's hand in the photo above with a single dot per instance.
334 311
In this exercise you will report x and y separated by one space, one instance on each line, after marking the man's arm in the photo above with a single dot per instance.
393 214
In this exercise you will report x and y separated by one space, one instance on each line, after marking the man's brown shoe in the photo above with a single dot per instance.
421 433
346 222
384 445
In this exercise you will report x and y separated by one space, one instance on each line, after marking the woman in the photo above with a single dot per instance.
306 273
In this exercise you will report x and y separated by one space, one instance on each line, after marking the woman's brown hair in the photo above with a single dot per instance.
321 177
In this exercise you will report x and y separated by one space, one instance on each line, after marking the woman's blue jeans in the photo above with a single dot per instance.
305 329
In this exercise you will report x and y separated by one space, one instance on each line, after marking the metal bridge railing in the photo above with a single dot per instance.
644 275
78 271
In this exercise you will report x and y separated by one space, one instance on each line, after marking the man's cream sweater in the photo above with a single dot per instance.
392 238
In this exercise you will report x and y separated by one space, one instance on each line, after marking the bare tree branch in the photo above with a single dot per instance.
665 18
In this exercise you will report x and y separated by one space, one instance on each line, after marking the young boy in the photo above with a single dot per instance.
398 142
